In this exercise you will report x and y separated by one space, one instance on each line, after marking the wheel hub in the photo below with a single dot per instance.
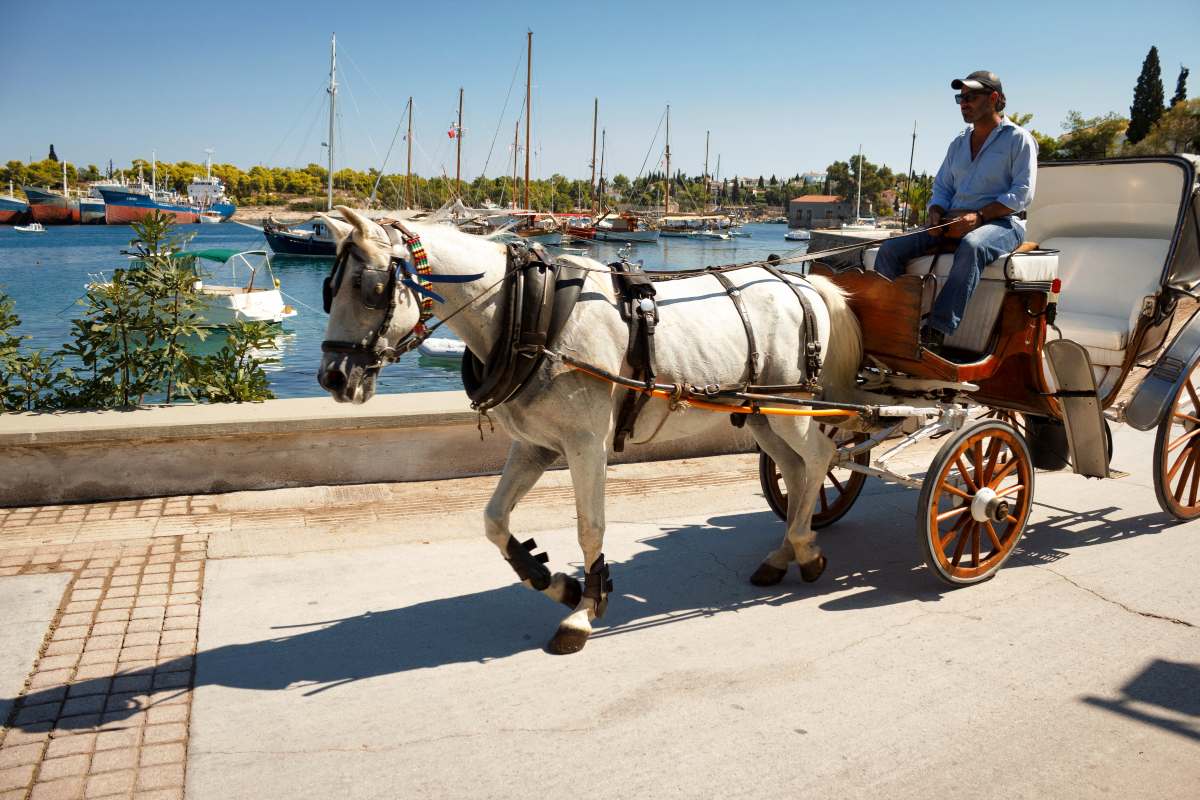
987 506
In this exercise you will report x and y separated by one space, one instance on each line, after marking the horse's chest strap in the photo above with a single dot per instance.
810 343
735 295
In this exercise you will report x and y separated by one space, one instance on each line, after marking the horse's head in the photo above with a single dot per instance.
372 315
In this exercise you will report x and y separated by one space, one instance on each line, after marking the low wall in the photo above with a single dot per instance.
108 455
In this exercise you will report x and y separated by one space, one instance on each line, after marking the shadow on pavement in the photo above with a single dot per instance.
1165 694
686 572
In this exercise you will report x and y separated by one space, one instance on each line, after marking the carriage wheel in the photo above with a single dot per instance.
975 502
1177 454
838 493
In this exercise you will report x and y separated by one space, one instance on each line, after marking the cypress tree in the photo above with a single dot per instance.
1180 87
53 156
1147 99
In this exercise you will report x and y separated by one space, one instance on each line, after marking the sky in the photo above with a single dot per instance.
783 88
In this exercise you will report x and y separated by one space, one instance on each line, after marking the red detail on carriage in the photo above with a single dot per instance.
1056 286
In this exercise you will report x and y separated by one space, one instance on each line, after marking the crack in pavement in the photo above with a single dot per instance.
1118 603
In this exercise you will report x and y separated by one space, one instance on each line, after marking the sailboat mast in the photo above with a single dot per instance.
458 151
595 117
516 150
332 111
667 183
528 106
706 135
858 200
603 147
64 166
408 174
908 182
153 174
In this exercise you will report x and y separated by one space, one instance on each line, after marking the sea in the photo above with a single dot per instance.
45 275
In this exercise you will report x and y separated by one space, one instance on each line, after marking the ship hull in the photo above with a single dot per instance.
91 212
224 209
123 208
50 208
287 245
626 236
13 211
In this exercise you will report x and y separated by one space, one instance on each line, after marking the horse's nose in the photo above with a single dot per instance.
332 379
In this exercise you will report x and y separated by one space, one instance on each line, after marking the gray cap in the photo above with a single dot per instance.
979 79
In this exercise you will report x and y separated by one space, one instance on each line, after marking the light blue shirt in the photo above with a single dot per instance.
1004 171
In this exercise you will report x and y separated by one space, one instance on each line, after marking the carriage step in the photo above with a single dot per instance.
1082 415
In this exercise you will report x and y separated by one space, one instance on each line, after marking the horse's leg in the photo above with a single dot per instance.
803 456
587 462
816 452
524 466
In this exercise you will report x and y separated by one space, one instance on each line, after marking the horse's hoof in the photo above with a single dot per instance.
767 575
571 595
813 569
567 640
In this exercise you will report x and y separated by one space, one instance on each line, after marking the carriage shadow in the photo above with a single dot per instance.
680 573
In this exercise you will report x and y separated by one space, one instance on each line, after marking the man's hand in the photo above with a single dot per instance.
964 223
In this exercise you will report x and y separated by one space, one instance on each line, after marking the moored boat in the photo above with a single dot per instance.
33 227
311 238
579 226
798 235
50 207
625 228
122 207
12 210
91 210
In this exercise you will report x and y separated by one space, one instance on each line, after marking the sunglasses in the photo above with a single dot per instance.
968 97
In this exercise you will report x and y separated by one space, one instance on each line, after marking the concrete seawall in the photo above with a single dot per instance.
176 450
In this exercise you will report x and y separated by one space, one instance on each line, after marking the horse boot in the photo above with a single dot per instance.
597 584
813 569
572 633
528 565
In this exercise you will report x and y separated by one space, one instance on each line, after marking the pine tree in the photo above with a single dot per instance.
1147 99
1180 87
53 156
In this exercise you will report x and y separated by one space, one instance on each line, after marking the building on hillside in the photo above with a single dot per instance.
810 178
819 211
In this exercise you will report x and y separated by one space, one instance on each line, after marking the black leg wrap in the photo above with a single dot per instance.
597 585
528 565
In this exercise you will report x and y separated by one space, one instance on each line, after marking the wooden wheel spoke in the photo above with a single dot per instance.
975 545
1186 417
1007 490
1188 466
954 512
977 461
962 471
993 452
991 530
1191 390
1183 438
1004 472
962 543
1184 455
1011 518
955 490
1195 485
954 529
841 489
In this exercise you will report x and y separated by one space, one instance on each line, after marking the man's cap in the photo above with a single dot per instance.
979 79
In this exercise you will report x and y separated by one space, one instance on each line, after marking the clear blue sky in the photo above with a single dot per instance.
783 87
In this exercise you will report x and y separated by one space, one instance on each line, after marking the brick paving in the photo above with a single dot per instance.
105 712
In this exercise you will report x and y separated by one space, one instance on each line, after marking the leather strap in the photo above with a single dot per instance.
810 343
735 295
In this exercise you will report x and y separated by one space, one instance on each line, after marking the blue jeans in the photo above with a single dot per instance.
979 248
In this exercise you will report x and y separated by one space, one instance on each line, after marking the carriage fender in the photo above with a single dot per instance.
1153 398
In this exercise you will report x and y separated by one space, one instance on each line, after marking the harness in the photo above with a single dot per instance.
538 297
635 300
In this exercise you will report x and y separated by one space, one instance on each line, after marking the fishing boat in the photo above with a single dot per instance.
709 233
122 206
209 192
244 290
310 238
578 226
12 210
798 235
739 233
533 226
33 227
684 225
442 349
210 218
625 228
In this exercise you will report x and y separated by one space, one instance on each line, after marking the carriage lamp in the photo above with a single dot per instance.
1052 302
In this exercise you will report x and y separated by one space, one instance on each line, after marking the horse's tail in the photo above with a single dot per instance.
843 352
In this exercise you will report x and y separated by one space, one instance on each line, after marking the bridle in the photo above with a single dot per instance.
379 290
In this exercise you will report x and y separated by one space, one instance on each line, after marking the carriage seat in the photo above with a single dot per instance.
975 330
1104 280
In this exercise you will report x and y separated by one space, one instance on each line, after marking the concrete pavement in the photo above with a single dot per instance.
366 642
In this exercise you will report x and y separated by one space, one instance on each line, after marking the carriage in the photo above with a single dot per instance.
1043 361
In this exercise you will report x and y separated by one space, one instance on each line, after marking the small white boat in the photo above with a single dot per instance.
710 234
739 233
33 227
246 290
442 349
210 218
798 235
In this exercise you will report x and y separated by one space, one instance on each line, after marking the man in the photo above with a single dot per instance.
986 180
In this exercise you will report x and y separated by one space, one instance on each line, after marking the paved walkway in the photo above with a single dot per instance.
366 642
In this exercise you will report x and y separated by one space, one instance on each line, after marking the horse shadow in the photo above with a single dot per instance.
681 573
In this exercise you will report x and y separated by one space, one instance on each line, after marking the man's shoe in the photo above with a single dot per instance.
932 338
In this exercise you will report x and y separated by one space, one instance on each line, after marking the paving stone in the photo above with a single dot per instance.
62 648
52 677
47 694
108 657
65 632
112 615
176 649
89 583
48 663
180 623
37 732
141 638
20 755
94 572
159 777
173 793
143 653
121 591
173 753
65 789
131 683
160 734
80 607
126 701
16 777
183 598
177 712
184 610
122 580
144 626
75 619
156 579
102 643
112 740
128 570
179 635
108 628
168 680
90 686
41 712
81 723
152 569
85 594
116 602
66 767
148 612
68 745
107 783
145 667
110 760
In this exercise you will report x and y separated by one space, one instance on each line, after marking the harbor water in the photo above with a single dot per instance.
45 275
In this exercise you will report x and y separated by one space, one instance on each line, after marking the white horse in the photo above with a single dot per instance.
562 412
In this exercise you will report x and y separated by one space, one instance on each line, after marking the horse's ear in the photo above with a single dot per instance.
340 229
365 230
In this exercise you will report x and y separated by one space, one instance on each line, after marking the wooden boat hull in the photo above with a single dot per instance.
626 236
